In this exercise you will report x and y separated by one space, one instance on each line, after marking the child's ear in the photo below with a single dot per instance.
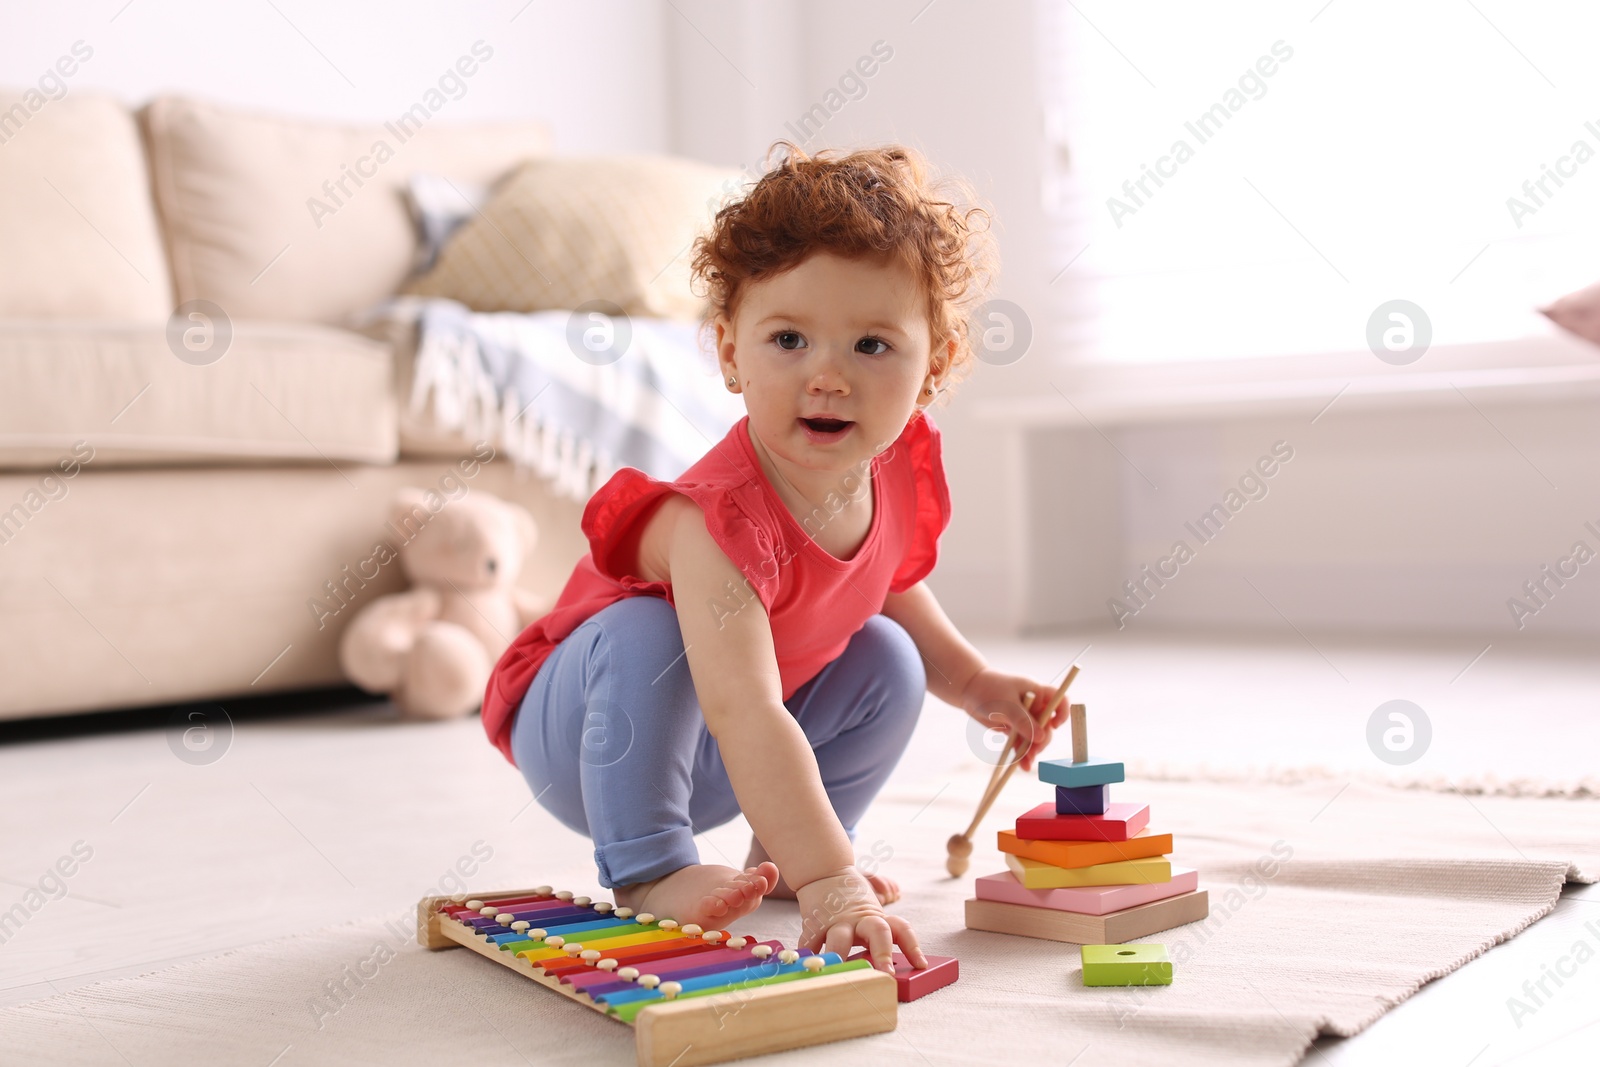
722 328
952 345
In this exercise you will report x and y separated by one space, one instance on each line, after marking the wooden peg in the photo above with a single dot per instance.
1080 734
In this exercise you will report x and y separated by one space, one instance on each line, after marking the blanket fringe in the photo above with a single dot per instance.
450 374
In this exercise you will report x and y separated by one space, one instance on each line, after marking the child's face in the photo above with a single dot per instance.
846 338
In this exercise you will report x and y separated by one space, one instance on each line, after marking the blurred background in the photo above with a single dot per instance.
1164 339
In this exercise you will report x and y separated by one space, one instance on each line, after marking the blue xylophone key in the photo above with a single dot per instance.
755 969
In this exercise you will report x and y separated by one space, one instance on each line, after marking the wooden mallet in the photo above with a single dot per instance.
959 848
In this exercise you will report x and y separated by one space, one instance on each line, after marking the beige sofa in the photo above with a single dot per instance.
170 518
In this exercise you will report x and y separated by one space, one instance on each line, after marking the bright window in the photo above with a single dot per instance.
1315 161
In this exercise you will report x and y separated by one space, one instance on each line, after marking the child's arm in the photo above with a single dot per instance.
959 675
729 647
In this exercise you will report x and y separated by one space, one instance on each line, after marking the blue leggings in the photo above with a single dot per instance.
611 738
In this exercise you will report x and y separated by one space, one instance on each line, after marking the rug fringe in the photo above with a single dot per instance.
1585 788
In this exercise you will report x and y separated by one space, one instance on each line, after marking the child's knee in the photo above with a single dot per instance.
898 665
644 627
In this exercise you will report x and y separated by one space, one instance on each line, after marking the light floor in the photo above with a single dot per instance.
302 823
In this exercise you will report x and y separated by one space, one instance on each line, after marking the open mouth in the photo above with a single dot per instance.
827 428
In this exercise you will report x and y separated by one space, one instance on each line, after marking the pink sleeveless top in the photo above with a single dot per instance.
814 601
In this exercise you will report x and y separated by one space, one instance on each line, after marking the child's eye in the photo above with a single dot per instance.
865 345
788 340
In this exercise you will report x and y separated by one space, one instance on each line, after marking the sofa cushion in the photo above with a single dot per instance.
276 218
77 226
560 233
280 392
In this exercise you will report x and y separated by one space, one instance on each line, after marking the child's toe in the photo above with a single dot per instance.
768 872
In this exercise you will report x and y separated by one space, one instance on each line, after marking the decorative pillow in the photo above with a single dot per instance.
1578 312
561 233
281 218
78 233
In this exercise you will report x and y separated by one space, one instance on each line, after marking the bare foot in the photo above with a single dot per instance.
704 893
887 889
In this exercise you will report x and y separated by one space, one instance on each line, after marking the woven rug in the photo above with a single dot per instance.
1366 893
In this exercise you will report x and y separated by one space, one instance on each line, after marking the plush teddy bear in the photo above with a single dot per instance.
431 648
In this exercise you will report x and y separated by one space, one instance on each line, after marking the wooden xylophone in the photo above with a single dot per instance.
692 995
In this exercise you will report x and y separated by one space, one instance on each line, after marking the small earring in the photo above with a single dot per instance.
732 380
929 390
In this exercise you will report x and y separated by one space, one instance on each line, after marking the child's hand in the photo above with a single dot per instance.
840 911
999 701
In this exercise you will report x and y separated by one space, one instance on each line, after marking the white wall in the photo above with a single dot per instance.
1420 519
594 71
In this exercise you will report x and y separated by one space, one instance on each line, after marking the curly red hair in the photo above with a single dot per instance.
875 201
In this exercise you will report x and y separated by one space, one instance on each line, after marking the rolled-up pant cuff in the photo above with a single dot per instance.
644 859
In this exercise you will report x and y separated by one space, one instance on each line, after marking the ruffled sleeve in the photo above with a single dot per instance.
613 521
924 452
615 518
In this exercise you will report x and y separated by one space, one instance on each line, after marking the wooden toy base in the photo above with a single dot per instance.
1076 929
914 984
717 1028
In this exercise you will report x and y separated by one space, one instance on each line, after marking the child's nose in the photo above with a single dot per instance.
829 375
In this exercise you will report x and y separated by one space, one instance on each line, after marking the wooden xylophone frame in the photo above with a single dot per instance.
703 1029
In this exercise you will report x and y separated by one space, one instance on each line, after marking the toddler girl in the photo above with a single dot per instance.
753 636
